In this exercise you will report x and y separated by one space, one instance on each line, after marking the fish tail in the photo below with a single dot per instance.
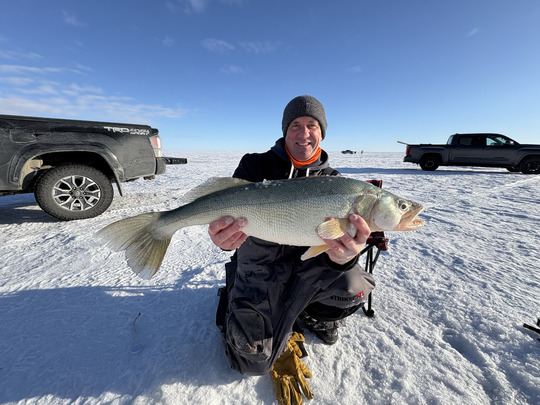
144 247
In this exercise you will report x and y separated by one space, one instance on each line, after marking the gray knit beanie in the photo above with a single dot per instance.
304 106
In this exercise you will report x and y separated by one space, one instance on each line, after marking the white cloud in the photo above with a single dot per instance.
170 6
75 89
232 69
17 105
28 70
45 88
29 90
20 69
256 47
83 102
217 45
474 31
260 47
123 108
189 6
49 87
15 55
197 6
88 106
168 41
17 81
71 19
82 68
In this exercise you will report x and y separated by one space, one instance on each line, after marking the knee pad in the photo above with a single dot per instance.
249 335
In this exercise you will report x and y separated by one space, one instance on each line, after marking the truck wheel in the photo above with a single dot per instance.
430 163
74 191
531 165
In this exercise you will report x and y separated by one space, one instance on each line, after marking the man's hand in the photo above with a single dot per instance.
344 249
226 232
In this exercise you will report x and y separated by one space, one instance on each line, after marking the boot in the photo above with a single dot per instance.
327 331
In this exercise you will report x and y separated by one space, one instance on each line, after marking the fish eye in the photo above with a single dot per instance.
403 205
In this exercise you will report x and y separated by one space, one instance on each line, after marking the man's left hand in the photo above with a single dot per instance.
346 248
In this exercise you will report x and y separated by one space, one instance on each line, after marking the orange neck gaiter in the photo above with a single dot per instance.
300 163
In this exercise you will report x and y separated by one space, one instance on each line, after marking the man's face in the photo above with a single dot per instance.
303 138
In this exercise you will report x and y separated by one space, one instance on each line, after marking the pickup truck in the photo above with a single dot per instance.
70 165
484 150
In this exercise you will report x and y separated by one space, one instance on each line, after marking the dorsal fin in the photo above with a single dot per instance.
212 185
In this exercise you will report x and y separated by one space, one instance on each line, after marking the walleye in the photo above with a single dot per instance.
289 212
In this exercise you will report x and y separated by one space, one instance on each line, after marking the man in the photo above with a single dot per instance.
268 288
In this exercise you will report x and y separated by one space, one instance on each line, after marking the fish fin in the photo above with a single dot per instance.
144 251
333 228
212 185
314 251
363 205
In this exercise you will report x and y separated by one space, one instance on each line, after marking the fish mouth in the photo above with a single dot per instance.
409 220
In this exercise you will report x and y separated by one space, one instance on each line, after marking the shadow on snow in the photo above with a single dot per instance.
76 342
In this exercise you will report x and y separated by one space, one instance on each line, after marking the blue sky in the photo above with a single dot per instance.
216 74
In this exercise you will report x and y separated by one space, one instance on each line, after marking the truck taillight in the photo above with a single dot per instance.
156 144
408 151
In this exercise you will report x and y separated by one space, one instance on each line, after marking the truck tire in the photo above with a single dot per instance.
74 191
531 165
430 162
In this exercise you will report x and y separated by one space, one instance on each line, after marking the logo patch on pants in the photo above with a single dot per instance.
360 295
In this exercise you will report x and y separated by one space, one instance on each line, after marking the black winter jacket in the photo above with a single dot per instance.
267 284
276 165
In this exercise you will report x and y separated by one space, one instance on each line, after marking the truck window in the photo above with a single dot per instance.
465 140
497 140
478 141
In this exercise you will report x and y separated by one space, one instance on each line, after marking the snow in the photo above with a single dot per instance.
450 301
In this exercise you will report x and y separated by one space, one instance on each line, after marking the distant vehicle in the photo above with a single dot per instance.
70 165
483 149
348 151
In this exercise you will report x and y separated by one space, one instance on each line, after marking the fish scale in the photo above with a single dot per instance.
289 212
273 209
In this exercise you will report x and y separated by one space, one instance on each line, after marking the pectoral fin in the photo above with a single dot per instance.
314 251
333 228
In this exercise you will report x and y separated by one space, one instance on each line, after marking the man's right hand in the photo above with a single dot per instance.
226 233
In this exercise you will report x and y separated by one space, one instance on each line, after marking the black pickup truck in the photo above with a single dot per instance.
484 150
70 165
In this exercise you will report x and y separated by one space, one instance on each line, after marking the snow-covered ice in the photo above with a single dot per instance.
450 301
